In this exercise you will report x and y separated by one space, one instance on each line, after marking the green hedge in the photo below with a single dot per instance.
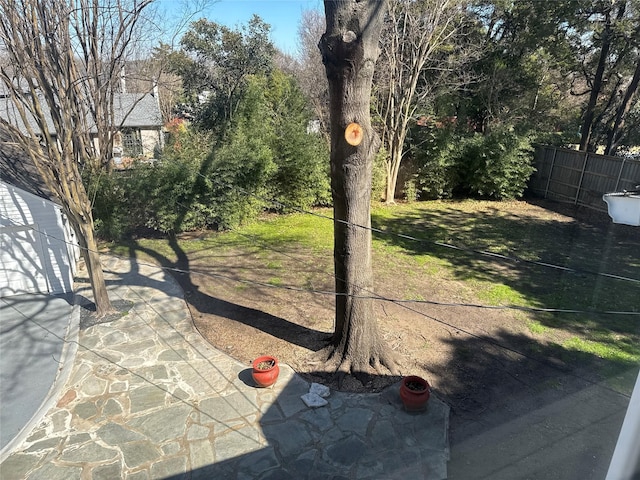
493 166
203 182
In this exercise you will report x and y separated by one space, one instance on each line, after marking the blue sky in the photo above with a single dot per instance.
282 15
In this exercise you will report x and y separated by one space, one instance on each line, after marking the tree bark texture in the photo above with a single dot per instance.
349 50
598 79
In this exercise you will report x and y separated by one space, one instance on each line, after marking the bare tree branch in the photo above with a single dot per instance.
416 33
60 81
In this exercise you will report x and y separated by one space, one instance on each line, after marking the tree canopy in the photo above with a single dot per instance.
214 62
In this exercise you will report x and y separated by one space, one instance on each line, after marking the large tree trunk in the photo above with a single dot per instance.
349 50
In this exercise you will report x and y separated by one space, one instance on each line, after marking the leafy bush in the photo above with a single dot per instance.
108 204
379 175
436 176
202 182
434 151
495 166
411 192
170 192
301 178
242 165
162 197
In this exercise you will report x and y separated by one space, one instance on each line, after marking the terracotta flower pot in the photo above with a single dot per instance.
414 393
265 370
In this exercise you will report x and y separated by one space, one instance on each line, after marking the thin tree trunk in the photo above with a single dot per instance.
589 114
395 158
349 50
416 32
616 134
78 209
91 257
67 55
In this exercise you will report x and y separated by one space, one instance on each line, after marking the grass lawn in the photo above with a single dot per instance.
296 251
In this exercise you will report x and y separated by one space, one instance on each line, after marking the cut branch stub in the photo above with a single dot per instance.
353 134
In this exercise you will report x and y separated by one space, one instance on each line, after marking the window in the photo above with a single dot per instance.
131 143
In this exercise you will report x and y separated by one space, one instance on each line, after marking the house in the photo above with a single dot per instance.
136 115
140 121
38 248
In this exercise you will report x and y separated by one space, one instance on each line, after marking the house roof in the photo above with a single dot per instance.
21 84
9 112
17 169
137 110
131 110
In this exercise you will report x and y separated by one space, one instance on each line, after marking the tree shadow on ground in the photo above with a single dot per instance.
524 409
588 249
551 420
353 436
205 303
492 380
488 383
500 373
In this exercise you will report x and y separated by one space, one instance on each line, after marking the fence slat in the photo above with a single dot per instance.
582 178
553 160
620 174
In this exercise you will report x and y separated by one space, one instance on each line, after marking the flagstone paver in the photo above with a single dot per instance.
149 398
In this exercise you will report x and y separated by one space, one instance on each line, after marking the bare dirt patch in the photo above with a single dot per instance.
478 360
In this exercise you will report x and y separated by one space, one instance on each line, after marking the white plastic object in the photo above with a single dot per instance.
623 207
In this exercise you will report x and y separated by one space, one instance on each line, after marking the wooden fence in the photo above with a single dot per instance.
581 178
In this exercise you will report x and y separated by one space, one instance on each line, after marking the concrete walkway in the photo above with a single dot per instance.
148 398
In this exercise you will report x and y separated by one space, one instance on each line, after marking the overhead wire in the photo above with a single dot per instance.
499 256
484 339
371 296
405 305
442 322
400 302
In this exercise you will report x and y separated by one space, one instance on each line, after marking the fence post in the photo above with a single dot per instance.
553 161
584 167
624 159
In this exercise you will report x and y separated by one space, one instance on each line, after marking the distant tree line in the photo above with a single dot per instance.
461 92
485 79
